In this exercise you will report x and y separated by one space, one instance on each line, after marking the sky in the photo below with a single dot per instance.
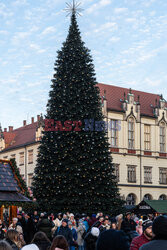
127 39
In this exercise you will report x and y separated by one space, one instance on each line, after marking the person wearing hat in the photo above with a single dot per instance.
146 236
128 224
74 236
159 229
71 216
65 231
112 240
91 238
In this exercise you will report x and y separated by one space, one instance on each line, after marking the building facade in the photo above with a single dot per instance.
22 145
136 124
137 132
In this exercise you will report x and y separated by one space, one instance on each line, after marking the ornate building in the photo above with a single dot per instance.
137 132
137 135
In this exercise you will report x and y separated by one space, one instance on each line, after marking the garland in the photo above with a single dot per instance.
20 181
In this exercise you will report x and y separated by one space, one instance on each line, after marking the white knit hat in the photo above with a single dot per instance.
30 247
95 231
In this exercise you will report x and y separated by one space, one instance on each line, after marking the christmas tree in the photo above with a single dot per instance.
74 169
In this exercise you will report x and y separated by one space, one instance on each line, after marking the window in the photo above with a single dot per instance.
162 197
116 171
131 133
114 133
147 137
163 175
21 159
131 173
148 197
131 199
30 156
147 174
30 179
162 137
13 156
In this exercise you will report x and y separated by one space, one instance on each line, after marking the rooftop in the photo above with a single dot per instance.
27 133
114 94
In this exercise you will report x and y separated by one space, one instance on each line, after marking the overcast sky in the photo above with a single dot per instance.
127 39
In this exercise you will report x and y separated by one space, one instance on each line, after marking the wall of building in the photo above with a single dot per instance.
27 167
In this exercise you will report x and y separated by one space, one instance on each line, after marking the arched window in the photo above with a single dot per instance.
162 137
162 197
131 133
147 197
131 199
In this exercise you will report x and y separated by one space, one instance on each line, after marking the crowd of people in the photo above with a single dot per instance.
96 232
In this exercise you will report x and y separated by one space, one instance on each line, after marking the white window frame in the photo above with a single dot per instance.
147 137
131 133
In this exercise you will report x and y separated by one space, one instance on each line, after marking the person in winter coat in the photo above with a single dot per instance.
29 228
71 217
80 231
112 240
16 226
91 238
74 236
106 224
12 237
57 223
128 224
65 231
45 225
59 243
92 220
85 222
4 245
21 221
159 229
146 236
2 230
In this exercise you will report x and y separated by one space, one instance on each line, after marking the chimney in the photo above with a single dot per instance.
32 119
10 128
24 123
5 129
38 118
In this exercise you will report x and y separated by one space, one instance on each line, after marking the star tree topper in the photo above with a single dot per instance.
73 8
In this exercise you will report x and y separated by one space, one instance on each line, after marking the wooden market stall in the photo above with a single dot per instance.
12 193
155 207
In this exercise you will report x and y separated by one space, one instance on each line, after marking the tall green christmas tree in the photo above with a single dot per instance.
74 169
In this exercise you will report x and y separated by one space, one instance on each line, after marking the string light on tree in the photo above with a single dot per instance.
74 169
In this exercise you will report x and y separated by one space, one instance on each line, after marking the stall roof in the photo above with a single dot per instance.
13 197
10 187
8 181
151 206
160 206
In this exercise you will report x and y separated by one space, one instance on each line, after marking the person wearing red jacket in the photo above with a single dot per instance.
146 236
